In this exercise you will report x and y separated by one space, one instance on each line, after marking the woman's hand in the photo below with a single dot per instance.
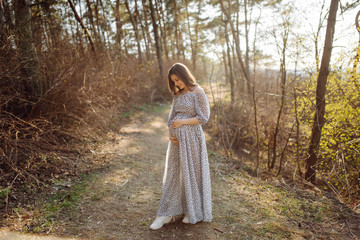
174 140
177 123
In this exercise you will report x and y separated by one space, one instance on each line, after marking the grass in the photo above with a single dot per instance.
271 209
154 107
4 194
144 108
65 198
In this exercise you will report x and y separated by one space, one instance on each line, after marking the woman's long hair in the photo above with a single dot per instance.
183 73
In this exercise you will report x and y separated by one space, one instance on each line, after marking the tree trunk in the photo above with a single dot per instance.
319 119
53 26
77 17
29 62
157 43
7 24
105 32
237 46
91 18
134 24
143 31
196 44
119 31
316 42
256 132
2 25
283 92
356 60
37 22
176 32
225 62
146 42
148 37
232 87
163 27
247 65
254 47
297 143
285 25
97 21
189 28
316 37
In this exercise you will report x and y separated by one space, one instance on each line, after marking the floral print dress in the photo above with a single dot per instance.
186 184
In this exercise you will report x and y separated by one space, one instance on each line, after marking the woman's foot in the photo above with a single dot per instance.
185 219
159 222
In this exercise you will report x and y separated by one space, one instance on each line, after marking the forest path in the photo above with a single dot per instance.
120 200
124 198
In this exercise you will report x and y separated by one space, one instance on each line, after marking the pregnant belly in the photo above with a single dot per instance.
172 131
187 128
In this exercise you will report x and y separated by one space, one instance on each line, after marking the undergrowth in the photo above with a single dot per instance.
45 138
275 208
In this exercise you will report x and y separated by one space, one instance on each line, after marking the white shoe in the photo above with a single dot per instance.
159 222
186 219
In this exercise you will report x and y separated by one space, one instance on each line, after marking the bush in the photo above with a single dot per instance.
339 158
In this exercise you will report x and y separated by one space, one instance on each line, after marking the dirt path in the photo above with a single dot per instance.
120 201
123 200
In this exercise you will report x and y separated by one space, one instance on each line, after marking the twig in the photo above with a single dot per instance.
21 120
22 170
124 182
7 193
347 225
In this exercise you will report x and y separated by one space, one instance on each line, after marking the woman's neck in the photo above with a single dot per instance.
184 90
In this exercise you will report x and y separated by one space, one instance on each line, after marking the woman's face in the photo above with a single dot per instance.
178 82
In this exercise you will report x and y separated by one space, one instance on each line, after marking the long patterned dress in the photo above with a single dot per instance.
186 184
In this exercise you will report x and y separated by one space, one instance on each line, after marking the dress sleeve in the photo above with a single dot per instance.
202 108
172 112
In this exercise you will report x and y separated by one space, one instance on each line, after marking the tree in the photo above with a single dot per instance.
5 22
147 32
177 37
282 47
237 44
87 33
157 41
133 19
319 119
356 60
91 18
162 24
119 35
231 75
194 38
29 63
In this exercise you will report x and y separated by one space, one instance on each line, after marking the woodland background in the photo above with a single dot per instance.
71 70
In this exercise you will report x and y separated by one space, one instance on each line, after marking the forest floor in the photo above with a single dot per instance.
120 199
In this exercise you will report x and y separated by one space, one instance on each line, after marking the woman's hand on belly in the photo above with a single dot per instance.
174 140
177 123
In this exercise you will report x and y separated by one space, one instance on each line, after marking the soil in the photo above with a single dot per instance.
121 199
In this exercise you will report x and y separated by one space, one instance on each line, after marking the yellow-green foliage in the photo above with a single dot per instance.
339 151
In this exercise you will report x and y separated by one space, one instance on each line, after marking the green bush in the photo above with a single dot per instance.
339 155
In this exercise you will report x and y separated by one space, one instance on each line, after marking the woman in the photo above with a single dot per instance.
186 185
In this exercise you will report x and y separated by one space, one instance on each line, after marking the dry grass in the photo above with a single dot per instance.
83 98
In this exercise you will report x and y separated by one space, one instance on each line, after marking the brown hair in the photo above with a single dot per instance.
183 73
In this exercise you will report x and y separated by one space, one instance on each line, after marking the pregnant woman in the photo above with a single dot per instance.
186 186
